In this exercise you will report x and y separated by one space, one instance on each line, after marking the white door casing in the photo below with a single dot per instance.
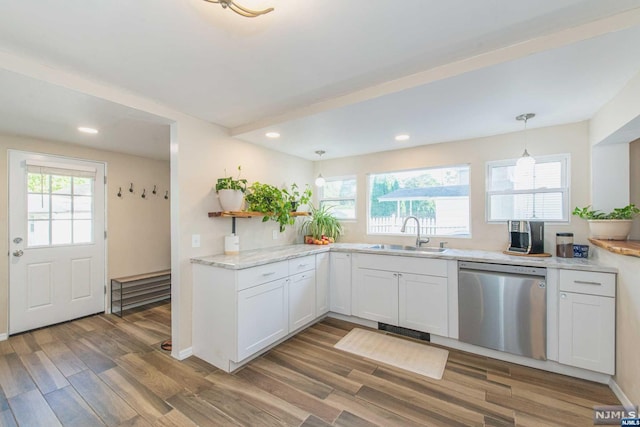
56 239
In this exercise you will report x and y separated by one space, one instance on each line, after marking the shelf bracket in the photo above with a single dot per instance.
233 225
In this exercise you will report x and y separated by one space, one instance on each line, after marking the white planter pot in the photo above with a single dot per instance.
610 229
231 200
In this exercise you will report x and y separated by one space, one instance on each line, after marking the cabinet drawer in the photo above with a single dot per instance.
403 264
588 282
253 276
305 263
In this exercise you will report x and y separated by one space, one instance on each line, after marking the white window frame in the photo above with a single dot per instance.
321 197
565 178
368 196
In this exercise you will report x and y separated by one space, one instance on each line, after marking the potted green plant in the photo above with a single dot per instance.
615 225
231 191
271 201
297 198
322 226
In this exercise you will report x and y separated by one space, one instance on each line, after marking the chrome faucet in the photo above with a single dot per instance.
419 241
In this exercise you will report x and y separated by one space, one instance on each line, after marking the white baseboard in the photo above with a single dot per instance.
615 388
4 337
183 354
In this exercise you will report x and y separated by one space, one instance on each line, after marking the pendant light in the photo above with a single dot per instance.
320 179
525 161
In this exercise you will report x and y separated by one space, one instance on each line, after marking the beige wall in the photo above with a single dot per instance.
205 151
139 230
627 321
571 138
634 183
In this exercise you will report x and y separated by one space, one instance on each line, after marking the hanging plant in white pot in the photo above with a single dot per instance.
231 192
615 225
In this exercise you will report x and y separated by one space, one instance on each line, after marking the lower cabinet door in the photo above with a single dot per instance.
587 332
423 303
302 299
375 295
263 315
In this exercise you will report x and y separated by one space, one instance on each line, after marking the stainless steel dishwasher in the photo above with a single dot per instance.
503 307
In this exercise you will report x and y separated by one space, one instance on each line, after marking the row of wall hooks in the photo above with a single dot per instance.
144 192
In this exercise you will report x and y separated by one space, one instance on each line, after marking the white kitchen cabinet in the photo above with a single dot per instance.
586 320
262 317
402 291
302 299
375 295
322 284
423 303
340 283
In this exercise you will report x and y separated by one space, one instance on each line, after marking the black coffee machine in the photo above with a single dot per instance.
526 237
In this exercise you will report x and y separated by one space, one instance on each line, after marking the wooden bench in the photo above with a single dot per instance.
134 291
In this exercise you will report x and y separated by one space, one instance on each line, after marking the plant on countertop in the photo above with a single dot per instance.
295 198
271 201
624 213
322 226
228 183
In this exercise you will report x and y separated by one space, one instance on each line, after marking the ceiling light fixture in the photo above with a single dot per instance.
525 161
272 135
240 10
87 130
402 137
320 179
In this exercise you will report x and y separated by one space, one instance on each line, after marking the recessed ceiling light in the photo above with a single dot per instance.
272 135
402 137
88 130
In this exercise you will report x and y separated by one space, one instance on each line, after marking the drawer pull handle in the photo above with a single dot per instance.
582 282
271 273
302 265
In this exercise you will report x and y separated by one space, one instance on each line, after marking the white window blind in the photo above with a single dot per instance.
537 193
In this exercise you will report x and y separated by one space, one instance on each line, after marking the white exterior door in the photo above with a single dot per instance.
56 239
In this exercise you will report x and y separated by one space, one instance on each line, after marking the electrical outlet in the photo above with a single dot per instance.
195 240
274 234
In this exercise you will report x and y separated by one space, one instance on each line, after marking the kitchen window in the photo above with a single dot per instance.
438 197
339 193
540 192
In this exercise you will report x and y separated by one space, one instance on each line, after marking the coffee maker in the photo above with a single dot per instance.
526 237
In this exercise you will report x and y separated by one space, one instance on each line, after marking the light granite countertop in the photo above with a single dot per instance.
246 259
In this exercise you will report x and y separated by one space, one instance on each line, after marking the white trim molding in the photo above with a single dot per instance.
183 354
4 337
615 388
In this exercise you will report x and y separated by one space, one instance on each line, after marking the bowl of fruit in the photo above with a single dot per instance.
323 240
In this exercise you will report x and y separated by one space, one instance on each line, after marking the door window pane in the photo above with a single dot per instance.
59 208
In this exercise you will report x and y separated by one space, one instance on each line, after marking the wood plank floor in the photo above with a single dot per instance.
103 370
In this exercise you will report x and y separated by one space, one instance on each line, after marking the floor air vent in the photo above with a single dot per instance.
424 336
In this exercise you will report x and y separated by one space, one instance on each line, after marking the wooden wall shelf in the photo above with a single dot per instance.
245 214
622 247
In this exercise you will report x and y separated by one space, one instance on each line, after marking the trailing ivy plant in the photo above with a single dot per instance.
626 212
271 201
228 183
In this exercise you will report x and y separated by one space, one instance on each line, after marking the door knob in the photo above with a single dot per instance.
18 253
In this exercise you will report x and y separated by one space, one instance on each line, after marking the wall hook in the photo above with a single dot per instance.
119 192
166 195
144 193
131 188
154 190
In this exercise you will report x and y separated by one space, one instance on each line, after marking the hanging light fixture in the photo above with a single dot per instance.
525 161
240 10
320 179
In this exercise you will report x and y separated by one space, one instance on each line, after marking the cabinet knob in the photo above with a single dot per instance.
563 295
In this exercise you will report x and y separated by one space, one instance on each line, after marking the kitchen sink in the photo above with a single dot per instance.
407 248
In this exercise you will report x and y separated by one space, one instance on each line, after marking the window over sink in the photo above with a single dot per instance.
438 197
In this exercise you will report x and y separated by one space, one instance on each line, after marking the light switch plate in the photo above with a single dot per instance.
274 234
195 240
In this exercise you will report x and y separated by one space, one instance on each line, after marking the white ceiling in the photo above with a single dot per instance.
251 75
